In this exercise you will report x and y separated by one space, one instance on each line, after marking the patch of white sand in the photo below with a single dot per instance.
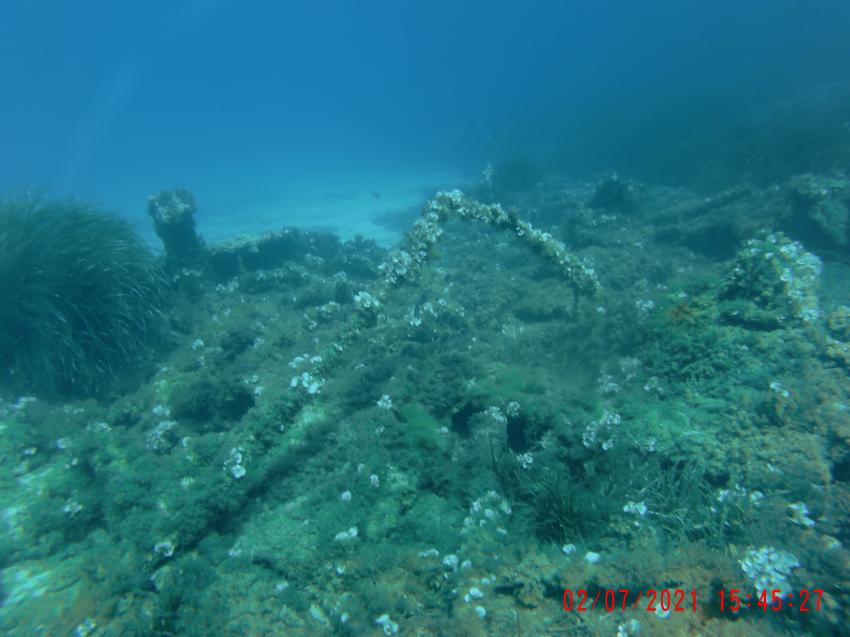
345 209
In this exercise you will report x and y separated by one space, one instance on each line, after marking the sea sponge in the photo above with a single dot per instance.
81 294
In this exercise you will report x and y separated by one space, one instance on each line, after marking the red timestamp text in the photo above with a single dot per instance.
804 600
664 600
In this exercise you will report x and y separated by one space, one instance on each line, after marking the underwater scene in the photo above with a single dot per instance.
425 318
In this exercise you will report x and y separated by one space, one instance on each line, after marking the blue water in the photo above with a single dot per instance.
251 103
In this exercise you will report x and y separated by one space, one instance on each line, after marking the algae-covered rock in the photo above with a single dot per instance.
615 194
173 214
821 203
776 275
211 401
839 323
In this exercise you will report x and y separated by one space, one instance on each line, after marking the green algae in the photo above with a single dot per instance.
464 435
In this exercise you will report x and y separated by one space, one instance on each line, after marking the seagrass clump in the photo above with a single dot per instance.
80 298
